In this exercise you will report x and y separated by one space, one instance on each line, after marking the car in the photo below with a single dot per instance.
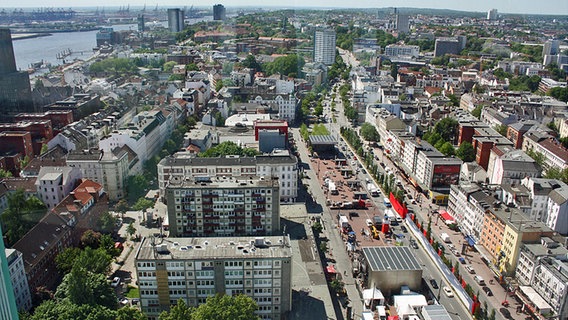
403 228
364 171
456 252
488 291
124 301
369 222
506 313
413 244
469 269
434 284
353 214
448 291
451 246
115 282
409 196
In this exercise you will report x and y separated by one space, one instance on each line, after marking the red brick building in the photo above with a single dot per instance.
14 146
280 125
40 130
59 118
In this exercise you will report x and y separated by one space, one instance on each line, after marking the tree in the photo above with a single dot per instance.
91 239
93 260
21 215
238 307
168 66
336 285
136 186
227 148
447 149
82 287
66 259
251 63
477 111
466 152
369 132
5 173
122 206
447 128
142 204
394 71
64 310
106 222
181 311
502 129
131 230
130 313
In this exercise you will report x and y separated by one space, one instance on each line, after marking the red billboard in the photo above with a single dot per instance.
397 206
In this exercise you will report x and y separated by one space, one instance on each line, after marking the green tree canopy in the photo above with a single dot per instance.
168 66
65 310
106 222
289 65
250 62
447 128
369 132
181 311
447 149
239 307
83 287
21 215
143 204
130 313
466 152
227 148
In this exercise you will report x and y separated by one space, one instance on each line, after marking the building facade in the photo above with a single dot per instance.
8 307
278 164
193 269
19 280
223 206
324 47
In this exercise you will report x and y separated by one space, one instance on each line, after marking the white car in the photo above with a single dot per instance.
448 291
115 282
469 269
369 222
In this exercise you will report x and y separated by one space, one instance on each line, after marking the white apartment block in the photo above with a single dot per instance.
280 164
557 213
55 183
19 279
111 169
286 106
324 47
550 281
467 204
397 50
145 134
193 269
222 206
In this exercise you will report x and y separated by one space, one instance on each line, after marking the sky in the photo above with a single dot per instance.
557 7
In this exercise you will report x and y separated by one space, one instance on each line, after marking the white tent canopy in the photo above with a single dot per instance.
373 294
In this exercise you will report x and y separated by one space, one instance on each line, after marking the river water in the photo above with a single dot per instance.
28 51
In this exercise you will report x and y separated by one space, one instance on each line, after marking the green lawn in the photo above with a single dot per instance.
132 292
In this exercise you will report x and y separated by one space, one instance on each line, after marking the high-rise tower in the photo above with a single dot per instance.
219 12
175 19
324 47
15 90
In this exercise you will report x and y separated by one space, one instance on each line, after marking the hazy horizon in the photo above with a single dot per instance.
551 7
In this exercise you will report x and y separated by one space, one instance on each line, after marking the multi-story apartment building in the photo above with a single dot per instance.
507 165
555 155
8 306
557 216
286 104
19 280
111 169
193 269
398 50
550 281
531 253
200 206
280 164
467 204
324 47
145 135
55 183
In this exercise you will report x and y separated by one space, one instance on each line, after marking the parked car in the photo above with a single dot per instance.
115 282
448 291
403 228
469 269
488 291
434 284
413 244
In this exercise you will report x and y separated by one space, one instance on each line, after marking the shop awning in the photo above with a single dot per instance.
446 216
331 269
470 240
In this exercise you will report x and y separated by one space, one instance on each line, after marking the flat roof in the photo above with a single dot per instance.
322 139
215 248
391 258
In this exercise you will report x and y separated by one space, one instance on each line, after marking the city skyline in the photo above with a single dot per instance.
553 7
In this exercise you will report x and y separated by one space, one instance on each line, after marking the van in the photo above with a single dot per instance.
479 280
469 269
